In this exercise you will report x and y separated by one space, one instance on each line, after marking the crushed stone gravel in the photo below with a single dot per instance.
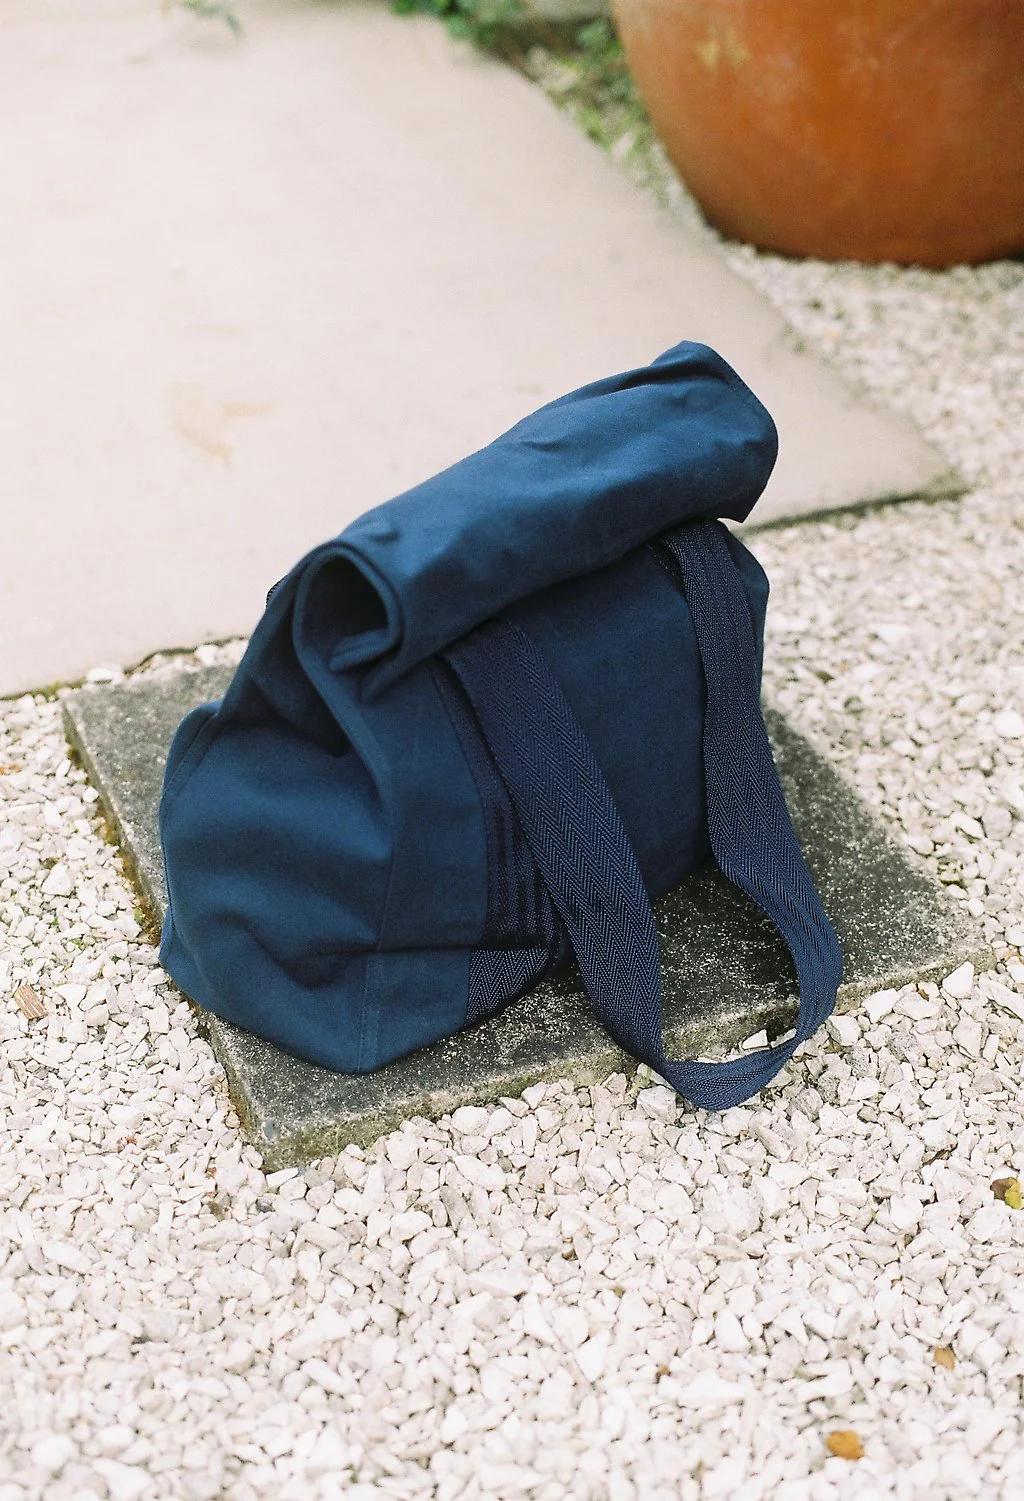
591 1293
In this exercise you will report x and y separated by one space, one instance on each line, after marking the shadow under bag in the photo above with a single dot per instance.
476 733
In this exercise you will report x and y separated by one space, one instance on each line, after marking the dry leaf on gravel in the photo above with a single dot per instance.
1010 1191
29 1003
844 1444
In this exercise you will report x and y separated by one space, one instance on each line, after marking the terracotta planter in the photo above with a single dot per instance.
870 129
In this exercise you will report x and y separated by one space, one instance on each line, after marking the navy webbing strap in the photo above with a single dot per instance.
582 850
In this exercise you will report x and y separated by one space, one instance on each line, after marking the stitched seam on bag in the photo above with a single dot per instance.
438 670
191 759
366 1012
500 972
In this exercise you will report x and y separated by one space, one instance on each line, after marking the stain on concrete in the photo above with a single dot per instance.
204 422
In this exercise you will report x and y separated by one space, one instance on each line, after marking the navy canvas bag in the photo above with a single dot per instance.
476 733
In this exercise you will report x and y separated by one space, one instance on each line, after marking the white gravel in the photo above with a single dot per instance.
587 1293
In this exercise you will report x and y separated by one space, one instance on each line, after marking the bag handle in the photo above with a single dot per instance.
584 855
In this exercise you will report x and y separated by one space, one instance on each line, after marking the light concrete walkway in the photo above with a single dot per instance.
248 290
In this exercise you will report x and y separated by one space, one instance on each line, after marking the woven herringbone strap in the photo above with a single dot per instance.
582 850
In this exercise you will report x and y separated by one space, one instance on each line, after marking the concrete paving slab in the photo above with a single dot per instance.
250 289
725 973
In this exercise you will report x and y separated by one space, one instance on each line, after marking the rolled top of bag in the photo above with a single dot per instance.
568 490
